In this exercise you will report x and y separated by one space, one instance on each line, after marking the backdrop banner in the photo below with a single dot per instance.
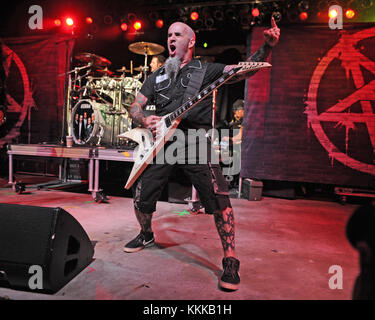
34 86
310 118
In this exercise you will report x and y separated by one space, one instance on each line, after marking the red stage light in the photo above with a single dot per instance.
124 26
57 22
350 13
159 23
303 15
137 25
69 21
255 12
194 16
89 20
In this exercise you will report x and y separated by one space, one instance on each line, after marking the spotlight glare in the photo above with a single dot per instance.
69 21
124 26
137 25
255 12
333 13
194 16
159 23
89 20
350 13
303 16
57 22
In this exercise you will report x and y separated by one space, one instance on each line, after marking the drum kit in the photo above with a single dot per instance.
98 99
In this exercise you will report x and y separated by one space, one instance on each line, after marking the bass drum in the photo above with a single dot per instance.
92 123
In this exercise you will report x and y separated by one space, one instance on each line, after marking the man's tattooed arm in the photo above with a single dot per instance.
260 55
136 110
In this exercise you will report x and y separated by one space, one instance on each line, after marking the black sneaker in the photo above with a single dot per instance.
230 279
143 240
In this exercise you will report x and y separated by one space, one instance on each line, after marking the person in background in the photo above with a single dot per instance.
228 143
236 122
156 62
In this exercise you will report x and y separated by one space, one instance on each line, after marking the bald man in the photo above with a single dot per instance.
166 88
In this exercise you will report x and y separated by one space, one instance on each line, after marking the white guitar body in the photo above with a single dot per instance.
148 147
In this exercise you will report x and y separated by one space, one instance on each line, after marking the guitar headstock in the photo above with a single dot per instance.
247 66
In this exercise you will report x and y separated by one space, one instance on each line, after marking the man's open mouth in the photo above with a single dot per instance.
172 49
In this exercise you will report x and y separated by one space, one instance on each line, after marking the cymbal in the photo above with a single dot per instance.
148 48
140 68
104 71
96 60
123 70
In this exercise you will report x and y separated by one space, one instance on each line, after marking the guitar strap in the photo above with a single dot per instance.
195 82
219 183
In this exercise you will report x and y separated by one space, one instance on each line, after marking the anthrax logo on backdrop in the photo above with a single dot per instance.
35 92
352 112
19 104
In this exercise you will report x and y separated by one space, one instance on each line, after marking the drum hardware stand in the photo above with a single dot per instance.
114 111
145 68
100 135
117 103
65 105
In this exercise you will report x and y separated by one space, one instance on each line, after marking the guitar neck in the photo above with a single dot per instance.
191 103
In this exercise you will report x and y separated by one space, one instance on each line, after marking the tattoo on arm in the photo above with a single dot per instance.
136 109
261 54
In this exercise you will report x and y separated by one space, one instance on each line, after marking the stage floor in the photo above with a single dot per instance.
286 248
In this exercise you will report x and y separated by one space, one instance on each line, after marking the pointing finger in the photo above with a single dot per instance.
273 23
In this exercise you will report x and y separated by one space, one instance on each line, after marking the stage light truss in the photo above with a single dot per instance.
216 15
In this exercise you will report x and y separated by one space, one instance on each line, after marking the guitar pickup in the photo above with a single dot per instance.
167 122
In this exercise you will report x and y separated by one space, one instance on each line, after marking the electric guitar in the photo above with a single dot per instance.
148 147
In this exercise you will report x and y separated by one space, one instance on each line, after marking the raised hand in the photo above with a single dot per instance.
272 35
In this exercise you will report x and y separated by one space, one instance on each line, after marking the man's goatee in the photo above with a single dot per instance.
172 65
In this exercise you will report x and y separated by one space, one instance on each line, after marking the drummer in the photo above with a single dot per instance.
156 62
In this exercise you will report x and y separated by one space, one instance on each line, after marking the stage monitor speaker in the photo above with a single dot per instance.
47 239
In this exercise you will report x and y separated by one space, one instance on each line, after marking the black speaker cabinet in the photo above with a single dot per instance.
49 238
